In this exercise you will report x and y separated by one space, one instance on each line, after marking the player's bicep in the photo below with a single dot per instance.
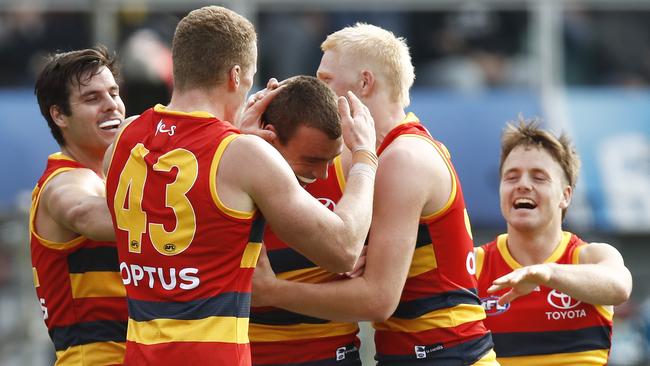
65 192
398 204
600 253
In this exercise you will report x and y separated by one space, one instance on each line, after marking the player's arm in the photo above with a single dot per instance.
399 198
253 169
600 277
76 200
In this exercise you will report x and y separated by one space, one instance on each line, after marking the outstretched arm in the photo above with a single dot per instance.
600 278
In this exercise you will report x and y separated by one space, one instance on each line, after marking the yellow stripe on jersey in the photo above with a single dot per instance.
444 154
443 318
502 245
308 275
99 353
490 359
36 197
250 256
606 311
37 283
213 181
340 175
97 284
424 260
586 358
159 108
274 333
480 259
60 156
223 329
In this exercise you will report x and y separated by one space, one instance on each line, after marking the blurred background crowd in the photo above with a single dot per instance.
583 67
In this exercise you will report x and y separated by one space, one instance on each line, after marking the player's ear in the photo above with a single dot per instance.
234 76
58 116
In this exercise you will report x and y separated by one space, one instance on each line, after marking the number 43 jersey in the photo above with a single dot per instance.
186 259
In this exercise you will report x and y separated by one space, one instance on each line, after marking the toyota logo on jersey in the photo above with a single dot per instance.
562 301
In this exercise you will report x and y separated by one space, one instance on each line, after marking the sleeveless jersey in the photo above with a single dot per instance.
439 317
278 337
545 327
79 288
186 259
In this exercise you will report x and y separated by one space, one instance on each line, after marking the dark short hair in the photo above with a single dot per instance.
61 72
307 101
207 43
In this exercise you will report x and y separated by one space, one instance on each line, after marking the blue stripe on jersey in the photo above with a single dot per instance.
99 259
233 304
88 332
414 309
465 353
424 238
287 259
257 230
544 343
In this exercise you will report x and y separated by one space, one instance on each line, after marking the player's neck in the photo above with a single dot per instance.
529 247
196 100
90 159
386 115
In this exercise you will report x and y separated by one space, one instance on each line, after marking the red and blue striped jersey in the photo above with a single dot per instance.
186 259
545 327
79 287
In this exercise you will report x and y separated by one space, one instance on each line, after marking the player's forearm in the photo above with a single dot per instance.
355 207
346 300
592 283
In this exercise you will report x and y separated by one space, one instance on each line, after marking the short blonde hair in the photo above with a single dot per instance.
387 54
207 43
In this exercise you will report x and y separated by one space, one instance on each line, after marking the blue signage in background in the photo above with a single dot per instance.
610 128
470 125
611 131
25 143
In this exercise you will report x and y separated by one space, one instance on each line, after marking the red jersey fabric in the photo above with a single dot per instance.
545 327
439 316
79 288
186 259
278 336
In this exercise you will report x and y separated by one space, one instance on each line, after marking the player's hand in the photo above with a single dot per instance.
360 266
250 120
263 279
521 282
357 122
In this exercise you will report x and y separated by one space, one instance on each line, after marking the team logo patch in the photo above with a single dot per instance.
424 351
561 301
491 306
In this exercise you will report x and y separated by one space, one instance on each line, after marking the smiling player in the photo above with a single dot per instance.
565 317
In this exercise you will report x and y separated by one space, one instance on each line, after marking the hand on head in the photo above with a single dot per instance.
357 122
250 120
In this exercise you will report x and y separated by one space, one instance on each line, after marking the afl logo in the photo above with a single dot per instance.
492 307
562 301
327 203
169 247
